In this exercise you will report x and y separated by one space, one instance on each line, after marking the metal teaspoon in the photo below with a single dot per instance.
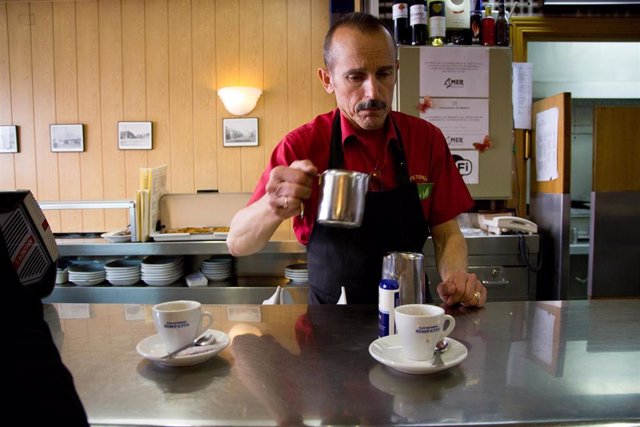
203 340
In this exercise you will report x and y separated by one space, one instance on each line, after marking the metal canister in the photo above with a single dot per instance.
388 300
407 268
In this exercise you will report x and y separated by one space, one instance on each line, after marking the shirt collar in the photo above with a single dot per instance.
349 133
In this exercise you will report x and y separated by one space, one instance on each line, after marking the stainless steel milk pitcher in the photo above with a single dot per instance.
342 197
407 268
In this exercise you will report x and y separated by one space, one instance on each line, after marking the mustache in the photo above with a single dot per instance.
371 104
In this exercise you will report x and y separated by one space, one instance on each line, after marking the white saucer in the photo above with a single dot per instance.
152 348
387 350
117 236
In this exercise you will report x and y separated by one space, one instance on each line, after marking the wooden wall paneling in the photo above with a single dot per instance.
205 148
181 94
66 85
228 74
111 107
134 87
275 96
299 63
275 103
252 74
44 107
322 101
301 77
92 171
157 81
7 170
22 93
97 62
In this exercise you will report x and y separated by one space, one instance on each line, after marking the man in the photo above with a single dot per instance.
415 187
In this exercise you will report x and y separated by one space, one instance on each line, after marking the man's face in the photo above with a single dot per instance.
362 76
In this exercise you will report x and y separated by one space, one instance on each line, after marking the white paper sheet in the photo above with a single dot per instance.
459 72
462 120
522 87
547 145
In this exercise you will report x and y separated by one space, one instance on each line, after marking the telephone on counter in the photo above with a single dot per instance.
505 224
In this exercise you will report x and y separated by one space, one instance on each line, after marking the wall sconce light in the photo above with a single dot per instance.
239 100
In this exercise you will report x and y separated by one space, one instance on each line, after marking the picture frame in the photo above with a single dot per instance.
8 139
240 132
66 137
135 136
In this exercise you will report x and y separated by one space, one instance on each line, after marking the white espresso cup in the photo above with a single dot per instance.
179 322
420 327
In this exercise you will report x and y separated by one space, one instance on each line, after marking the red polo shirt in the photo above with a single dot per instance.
428 159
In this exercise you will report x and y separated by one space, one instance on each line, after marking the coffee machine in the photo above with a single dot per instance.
27 244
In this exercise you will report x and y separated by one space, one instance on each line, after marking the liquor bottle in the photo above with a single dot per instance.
457 14
401 32
437 23
488 34
418 22
476 22
502 26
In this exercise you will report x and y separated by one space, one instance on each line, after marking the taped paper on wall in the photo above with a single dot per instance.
547 145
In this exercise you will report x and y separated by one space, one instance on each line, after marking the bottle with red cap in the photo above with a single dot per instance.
488 34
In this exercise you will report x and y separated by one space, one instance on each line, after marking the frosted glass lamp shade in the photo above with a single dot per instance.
239 100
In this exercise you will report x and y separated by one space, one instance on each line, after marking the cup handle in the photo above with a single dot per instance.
210 320
450 326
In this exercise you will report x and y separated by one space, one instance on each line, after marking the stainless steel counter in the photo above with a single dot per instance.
536 363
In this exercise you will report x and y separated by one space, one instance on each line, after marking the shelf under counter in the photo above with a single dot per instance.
101 247
248 291
498 260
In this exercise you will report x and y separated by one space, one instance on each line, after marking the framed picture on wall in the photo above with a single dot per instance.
240 132
8 139
134 136
66 138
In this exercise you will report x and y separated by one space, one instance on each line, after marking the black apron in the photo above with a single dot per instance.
352 257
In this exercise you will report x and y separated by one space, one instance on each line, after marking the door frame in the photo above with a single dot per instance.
549 29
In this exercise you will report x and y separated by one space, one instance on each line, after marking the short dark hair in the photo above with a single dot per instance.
364 22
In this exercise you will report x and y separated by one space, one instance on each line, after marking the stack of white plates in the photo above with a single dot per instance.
87 274
161 270
297 273
217 268
123 272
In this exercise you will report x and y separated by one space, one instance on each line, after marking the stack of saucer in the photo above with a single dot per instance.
123 272
217 268
87 274
161 270
297 273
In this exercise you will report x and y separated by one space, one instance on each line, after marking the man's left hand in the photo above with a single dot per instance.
463 288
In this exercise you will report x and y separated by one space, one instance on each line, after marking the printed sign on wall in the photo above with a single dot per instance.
460 72
463 121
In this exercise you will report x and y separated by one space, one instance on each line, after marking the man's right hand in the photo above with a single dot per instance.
288 187
253 225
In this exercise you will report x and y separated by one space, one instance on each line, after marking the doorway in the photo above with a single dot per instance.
598 61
